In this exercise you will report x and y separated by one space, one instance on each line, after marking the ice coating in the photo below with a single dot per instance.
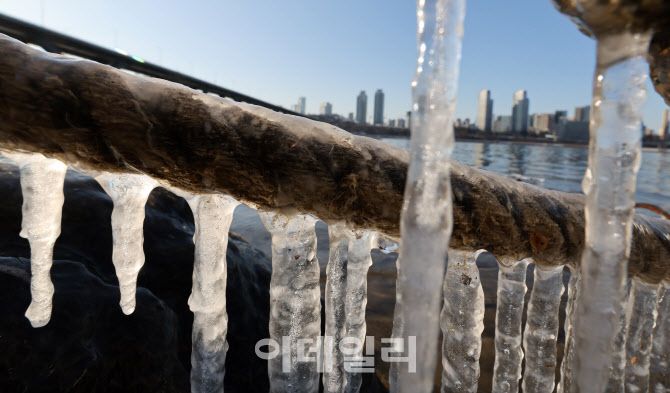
295 306
360 260
426 220
609 184
42 186
462 323
569 348
336 294
212 215
541 332
509 355
642 304
129 192
659 365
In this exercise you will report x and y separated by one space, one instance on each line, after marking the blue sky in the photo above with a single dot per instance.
331 50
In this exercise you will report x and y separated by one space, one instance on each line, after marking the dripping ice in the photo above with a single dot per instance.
426 219
42 182
129 192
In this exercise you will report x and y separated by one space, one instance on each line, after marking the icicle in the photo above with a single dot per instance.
509 355
129 192
539 339
295 306
360 260
615 378
659 365
569 348
212 215
42 182
426 220
641 320
397 333
462 323
336 292
609 185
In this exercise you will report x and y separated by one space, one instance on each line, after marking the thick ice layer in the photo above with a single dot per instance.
462 323
42 186
336 293
213 215
659 365
398 332
539 338
295 306
567 374
641 320
129 192
609 184
360 260
509 355
426 219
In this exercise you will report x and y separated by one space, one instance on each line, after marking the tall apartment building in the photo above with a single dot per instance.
485 110
520 112
361 107
379 108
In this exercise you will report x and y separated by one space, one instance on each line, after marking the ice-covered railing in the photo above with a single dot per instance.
135 133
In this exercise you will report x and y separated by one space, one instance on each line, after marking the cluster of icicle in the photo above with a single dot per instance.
642 344
294 288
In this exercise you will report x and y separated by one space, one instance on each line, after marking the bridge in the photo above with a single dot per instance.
54 42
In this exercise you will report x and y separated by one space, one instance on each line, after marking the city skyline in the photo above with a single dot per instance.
557 73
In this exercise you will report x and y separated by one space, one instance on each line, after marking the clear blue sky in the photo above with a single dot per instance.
330 50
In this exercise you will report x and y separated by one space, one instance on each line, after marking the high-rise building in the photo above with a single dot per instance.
502 124
361 107
520 112
582 113
409 119
351 116
392 123
485 110
572 131
543 122
401 123
302 104
379 108
326 108
665 132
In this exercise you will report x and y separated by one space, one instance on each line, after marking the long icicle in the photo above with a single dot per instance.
659 365
509 354
609 184
336 292
567 364
295 306
42 182
541 333
129 193
641 320
462 323
360 260
426 219
615 376
212 215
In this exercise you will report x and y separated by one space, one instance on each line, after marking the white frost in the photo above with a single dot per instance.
42 182
129 192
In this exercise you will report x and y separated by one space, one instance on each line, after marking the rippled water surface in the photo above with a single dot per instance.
558 167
